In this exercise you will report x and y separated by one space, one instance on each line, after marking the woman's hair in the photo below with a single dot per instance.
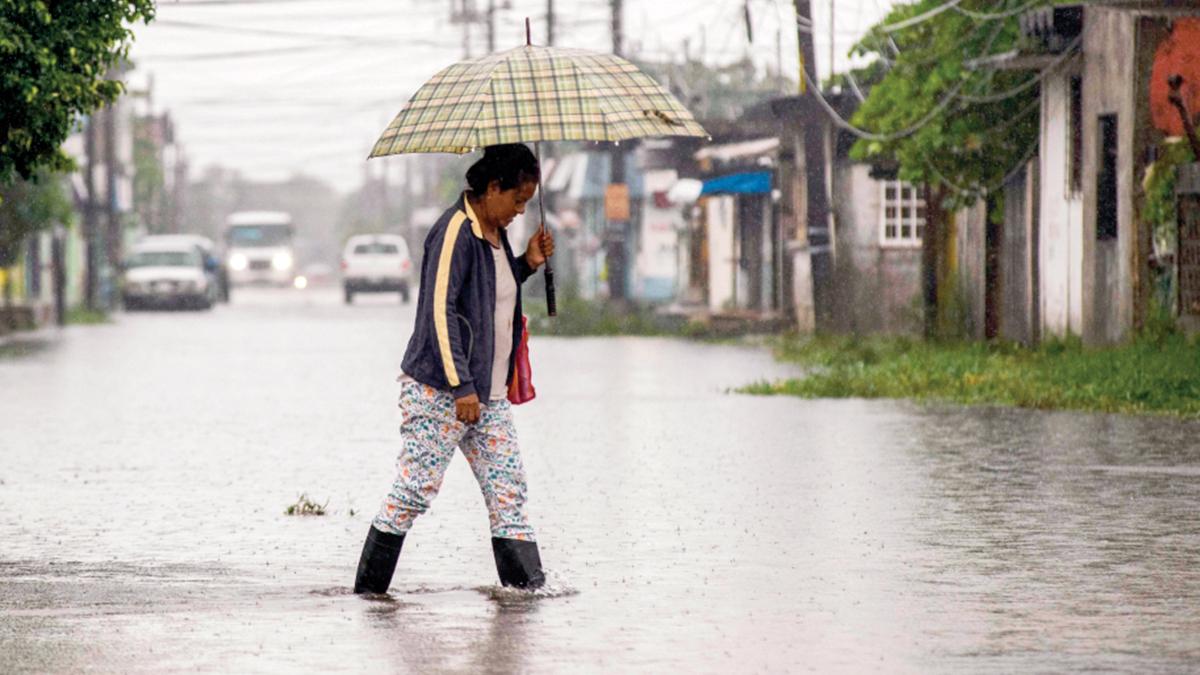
512 164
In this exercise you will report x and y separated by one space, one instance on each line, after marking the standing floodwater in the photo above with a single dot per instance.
147 466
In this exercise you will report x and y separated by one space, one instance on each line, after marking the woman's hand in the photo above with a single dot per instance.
541 246
466 409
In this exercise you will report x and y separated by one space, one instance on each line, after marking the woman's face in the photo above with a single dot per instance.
504 205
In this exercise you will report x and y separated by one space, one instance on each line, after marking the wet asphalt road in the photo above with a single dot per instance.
146 466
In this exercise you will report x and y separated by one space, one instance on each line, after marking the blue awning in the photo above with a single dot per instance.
750 183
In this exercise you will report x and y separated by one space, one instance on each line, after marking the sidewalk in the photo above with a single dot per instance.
25 322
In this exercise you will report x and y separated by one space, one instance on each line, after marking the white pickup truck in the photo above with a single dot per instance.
376 263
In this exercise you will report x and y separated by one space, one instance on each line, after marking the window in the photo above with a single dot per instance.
902 214
1075 140
1106 179
386 249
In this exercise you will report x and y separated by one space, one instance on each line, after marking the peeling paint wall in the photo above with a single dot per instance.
876 289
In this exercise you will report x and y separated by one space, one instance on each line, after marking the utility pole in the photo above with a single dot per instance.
832 40
618 230
811 262
779 58
91 229
384 219
462 12
112 216
550 23
618 8
491 27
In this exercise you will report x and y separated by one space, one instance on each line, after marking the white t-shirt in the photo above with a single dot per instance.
506 305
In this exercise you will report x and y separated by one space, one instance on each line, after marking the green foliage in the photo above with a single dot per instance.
149 180
1158 373
967 146
27 206
55 57
1159 185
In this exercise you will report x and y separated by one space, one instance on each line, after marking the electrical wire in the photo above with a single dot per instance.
920 18
937 109
987 189
987 16
1068 52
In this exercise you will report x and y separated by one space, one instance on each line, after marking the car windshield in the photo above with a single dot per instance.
165 259
259 235
390 249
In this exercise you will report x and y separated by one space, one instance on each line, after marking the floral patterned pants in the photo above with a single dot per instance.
431 434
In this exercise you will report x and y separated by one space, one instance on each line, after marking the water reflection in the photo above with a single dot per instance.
142 495
446 631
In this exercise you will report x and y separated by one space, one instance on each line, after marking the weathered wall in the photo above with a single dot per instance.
1060 245
876 289
1017 289
1108 77
967 295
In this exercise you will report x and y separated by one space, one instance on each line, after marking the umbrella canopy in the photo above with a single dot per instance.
531 94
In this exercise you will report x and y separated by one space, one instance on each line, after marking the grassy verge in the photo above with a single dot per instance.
1152 375
582 317
84 316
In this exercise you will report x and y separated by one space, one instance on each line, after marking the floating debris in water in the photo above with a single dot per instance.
306 507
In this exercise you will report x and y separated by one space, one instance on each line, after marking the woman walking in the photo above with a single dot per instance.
457 369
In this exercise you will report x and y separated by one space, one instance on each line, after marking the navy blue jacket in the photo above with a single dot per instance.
453 341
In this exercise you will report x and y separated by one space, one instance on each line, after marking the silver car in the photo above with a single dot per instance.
167 274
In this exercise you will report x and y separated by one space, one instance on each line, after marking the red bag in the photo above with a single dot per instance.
520 390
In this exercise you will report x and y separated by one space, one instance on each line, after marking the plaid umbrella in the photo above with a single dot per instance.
531 94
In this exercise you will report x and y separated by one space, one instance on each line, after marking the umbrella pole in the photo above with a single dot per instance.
551 305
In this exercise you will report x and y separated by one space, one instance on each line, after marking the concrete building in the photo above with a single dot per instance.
1097 61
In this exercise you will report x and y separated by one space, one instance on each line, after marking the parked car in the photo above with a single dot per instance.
376 263
214 262
167 274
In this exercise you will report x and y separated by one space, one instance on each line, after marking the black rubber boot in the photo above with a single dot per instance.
378 561
518 563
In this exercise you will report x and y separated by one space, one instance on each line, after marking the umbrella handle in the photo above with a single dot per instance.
551 304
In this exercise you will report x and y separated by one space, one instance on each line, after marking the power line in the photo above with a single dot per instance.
941 105
920 18
197 25
986 16
986 189
861 133
1068 52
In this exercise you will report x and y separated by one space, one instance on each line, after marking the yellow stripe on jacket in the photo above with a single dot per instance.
440 288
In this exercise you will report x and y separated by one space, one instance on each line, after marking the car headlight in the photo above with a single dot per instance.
282 261
238 262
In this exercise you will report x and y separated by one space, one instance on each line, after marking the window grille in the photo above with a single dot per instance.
901 214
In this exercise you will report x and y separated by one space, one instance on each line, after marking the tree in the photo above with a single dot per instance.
55 57
27 206
942 114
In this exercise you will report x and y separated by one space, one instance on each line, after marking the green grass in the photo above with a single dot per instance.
578 317
87 317
1156 374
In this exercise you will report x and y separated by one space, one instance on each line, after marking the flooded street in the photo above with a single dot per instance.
147 465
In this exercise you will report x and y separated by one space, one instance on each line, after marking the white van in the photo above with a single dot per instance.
258 248
376 263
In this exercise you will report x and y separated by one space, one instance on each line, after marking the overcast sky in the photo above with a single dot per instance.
276 87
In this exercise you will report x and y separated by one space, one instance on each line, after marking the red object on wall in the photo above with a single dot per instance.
1179 54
